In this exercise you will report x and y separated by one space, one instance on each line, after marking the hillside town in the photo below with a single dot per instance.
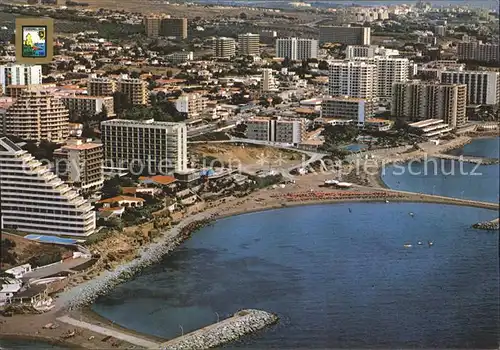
147 118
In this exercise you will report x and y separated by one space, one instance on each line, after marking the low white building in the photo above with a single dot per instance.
8 287
19 271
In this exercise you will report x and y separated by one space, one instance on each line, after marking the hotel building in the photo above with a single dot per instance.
156 26
248 44
34 200
135 89
191 104
346 35
37 116
296 49
418 100
19 74
83 105
483 88
224 47
101 87
267 82
79 164
155 146
275 130
345 108
354 79
478 51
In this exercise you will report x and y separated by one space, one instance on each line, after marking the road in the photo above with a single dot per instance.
111 332
285 172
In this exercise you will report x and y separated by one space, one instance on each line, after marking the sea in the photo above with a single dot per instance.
349 275
451 178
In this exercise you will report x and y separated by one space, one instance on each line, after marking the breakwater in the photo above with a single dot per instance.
87 293
493 225
230 329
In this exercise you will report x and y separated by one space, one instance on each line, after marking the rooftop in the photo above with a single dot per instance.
159 179
120 199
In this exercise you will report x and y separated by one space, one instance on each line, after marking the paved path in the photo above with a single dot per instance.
111 332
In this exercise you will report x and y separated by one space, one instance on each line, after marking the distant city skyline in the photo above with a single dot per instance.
490 4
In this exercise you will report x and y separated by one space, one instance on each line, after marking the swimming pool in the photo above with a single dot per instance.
51 239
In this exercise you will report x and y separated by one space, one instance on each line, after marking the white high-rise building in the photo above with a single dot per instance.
476 50
296 49
483 88
356 51
34 200
346 35
354 79
267 82
224 47
249 44
155 147
20 74
390 70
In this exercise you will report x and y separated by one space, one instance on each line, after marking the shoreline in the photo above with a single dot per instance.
76 300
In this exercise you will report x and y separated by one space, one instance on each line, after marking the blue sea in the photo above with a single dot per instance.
450 178
338 278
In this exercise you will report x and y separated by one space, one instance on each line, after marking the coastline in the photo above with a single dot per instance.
75 301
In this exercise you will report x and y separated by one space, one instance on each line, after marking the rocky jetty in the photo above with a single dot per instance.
87 293
493 225
243 322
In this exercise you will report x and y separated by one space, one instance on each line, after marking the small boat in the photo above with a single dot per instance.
386 201
407 245
430 243
419 243
350 210
411 214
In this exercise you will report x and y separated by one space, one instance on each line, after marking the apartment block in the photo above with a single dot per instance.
181 56
418 100
223 47
152 25
345 108
267 82
135 89
83 105
37 116
483 88
369 51
19 74
296 49
154 147
276 130
354 79
346 35
249 44
101 87
174 27
79 164
35 200
156 26
478 51
191 104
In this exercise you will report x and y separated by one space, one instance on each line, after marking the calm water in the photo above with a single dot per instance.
487 147
336 278
444 177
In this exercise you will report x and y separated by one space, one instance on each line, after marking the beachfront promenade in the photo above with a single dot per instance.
131 339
